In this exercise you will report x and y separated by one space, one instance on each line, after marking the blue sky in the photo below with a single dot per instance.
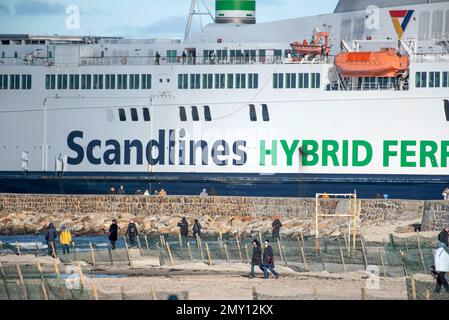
132 17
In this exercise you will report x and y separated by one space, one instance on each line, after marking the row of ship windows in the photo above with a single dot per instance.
433 79
194 112
98 81
218 81
15 81
294 80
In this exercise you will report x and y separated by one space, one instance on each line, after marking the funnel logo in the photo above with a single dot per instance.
396 15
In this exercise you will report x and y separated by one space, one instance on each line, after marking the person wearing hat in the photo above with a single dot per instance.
65 239
132 233
276 226
113 233
268 261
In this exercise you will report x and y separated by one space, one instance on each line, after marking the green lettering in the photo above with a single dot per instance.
267 152
444 153
356 144
345 153
330 149
428 154
310 150
406 153
289 152
389 153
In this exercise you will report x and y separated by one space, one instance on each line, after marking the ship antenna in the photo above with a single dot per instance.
195 10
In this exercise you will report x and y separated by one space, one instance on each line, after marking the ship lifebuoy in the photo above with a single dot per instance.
124 61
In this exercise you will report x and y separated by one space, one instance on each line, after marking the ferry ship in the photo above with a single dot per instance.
355 99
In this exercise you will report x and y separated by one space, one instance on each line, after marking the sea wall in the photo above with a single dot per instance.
436 215
21 214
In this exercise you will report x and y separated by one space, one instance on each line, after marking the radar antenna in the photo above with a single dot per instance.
195 10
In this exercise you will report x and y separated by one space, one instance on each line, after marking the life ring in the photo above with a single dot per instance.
124 61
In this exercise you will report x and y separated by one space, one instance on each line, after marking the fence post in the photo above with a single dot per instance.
110 256
80 271
94 291
221 239
22 282
238 247
363 294
18 249
382 263
365 259
280 252
226 252
170 255
153 293
427 294
128 254
303 255
92 254
161 258
260 238
414 295
37 250
342 255
146 243
208 254
138 242
200 246
122 291
180 239
421 255
315 294
53 247
74 250
247 254
190 251
44 289
392 241
404 265
55 266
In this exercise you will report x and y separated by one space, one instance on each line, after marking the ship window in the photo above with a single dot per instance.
262 55
98 81
195 115
122 114
424 26
277 55
3 82
253 81
26 81
182 114
74 81
14 82
316 80
195 81
290 80
146 114
110 81
240 81
265 113
134 116
208 81
134 81
122 81
434 79
171 56
421 79
207 114
252 113
50 82
303 82
437 24
62 81
220 81
16 55
146 81
445 79
230 81
278 80
183 81
86 81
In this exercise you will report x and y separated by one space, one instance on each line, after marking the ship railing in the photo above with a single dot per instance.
375 86
424 58
27 62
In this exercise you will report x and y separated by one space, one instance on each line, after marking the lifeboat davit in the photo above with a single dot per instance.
383 63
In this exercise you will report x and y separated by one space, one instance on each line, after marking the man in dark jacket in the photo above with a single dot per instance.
113 233
276 227
197 228
256 259
132 233
268 261
184 227
50 237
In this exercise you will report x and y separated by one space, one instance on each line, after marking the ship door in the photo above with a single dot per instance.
191 55
25 162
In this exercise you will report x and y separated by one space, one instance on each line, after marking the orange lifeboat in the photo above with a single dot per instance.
384 63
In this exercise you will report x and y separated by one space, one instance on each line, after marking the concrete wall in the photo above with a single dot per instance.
436 215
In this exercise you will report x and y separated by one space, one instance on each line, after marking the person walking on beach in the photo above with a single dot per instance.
113 233
197 228
183 227
276 226
256 259
268 261
65 239
50 238
132 233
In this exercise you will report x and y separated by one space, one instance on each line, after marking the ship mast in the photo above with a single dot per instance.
195 10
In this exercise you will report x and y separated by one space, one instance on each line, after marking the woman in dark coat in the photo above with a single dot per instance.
268 261
276 227
184 227
256 260
113 233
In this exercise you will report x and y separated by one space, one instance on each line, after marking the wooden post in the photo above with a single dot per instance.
428 294
190 251
153 294
180 239
110 256
92 255
161 257
56 268
94 291
260 238
247 254
37 250
221 239
128 254
404 265
365 259
200 247
382 263
238 247
342 256
170 255
55 254
363 294
146 243
22 282
208 254
280 252
138 242
421 255
303 254
414 295
122 291
80 271
44 289
226 252
317 247
315 294
18 249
